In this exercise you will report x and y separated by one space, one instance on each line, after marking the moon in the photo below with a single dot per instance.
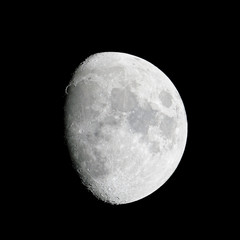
125 126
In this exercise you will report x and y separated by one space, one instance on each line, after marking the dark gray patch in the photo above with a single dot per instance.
106 71
154 147
110 120
168 125
140 119
100 135
116 70
80 100
92 165
123 99
97 133
166 98
98 130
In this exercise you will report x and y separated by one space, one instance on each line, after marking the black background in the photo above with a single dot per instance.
185 194
51 43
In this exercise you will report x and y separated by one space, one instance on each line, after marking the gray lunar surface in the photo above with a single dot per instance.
126 126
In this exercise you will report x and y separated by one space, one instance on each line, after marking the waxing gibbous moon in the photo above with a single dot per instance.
126 126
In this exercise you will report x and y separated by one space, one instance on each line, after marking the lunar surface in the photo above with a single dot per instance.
126 126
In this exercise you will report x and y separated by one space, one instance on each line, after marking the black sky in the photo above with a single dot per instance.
183 47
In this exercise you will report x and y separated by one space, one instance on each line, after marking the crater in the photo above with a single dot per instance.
166 98
140 119
123 99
